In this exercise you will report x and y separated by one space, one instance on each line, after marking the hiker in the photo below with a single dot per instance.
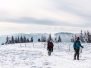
77 46
50 46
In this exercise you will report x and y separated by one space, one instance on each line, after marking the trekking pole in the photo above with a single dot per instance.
80 52
69 47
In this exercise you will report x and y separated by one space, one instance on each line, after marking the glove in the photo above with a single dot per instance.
82 46
47 48
74 48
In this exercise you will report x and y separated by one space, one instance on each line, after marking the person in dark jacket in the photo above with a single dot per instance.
77 46
50 46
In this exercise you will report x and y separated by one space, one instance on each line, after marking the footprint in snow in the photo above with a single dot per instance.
34 67
46 63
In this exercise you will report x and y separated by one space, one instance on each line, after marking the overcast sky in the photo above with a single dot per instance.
44 16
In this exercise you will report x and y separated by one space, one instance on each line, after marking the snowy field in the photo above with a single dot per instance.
34 55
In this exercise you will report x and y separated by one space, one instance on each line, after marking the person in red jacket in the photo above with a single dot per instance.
50 46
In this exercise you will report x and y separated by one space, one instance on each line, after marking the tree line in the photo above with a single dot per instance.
23 39
44 39
84 37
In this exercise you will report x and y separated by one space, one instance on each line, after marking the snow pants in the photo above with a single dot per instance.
76 54
50 49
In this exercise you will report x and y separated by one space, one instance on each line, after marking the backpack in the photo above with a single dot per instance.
50 44
76 45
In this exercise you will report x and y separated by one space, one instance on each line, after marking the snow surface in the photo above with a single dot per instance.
34 55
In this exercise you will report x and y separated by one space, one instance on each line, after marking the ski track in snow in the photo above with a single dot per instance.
34 55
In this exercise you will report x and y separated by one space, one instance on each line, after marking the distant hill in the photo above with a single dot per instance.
65 36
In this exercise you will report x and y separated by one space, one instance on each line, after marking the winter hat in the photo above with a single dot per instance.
50 40
78 38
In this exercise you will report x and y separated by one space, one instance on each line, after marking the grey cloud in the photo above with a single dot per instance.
32 21
27 20
68 7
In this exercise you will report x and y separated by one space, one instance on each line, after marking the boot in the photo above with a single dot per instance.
78 56
74 58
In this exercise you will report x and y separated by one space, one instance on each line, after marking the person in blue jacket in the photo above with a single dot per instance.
77 46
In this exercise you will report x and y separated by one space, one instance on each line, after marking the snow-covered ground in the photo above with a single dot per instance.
34 55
